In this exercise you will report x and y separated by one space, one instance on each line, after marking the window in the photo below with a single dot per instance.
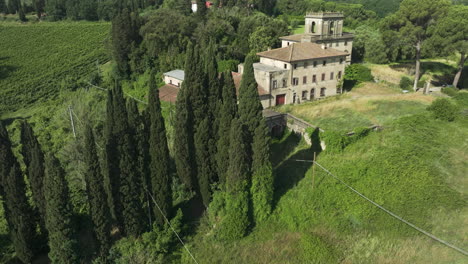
304 95
312 29
295 66
170 81
323 76
341 61
338 90
315 63
314 78
339 75
284 82
324 63
346 43
295 81
305 65
337 44
288 43
275 84
322 92
312 94
332 74
332 25
285 66
304 80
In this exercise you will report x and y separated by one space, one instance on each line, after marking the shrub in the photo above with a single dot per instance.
405 83
443 109
450 91
337 141
461 99
227 65
356 74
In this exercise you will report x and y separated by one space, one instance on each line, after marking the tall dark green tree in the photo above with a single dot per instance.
56 9
159 153
19 213
236 219
250 107
97 196
39 7
3 7
33 158
184 149
63 242
125 27
197 83
13 6
205 162
262 189
227 113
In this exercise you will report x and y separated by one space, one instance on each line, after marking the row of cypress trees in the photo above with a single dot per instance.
221 144
222 140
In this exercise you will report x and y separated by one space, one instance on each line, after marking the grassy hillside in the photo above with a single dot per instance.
416 167
38 60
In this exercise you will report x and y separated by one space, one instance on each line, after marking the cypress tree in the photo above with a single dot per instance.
250 107
159 154
262 176
19 214
112 162
204 158
97 197
198 87
228 112
3 7
62 235
236 220
33 158
184 149
130 180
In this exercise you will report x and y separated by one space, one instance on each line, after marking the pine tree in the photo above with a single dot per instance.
184 149
62 235
250 107
97 196
262 176
228 112
205 164
159 153
3 7
33 158
236 220
39 7
18 212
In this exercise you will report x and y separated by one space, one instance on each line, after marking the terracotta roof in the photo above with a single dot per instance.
301 51
168 93
237 77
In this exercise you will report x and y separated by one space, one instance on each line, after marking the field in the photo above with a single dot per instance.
416 167
37 61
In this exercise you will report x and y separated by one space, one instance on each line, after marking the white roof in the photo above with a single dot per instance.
178 74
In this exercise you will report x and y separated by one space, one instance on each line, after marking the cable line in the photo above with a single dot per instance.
167 221
464 252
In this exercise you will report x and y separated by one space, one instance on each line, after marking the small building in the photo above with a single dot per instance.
174 77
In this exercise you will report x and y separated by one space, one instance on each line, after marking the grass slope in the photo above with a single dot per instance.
415 167
36 58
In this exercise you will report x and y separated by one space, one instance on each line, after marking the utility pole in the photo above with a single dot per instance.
313 171
71 120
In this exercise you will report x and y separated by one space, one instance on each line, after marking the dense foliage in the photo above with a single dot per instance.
444 109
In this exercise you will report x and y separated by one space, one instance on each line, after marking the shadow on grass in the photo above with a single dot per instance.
5 70
294 168
282 148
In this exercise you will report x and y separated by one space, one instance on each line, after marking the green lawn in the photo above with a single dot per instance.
416 167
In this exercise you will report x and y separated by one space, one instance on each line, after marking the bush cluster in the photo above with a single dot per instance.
336 141
405 83
450 91
443 109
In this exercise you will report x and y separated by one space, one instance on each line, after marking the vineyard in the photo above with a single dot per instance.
37 60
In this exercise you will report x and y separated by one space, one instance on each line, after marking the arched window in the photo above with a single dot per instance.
312 29
312 94
332 27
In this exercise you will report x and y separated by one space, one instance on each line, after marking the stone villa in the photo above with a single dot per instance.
307 67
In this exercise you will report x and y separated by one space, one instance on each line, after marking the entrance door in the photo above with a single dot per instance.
280 99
